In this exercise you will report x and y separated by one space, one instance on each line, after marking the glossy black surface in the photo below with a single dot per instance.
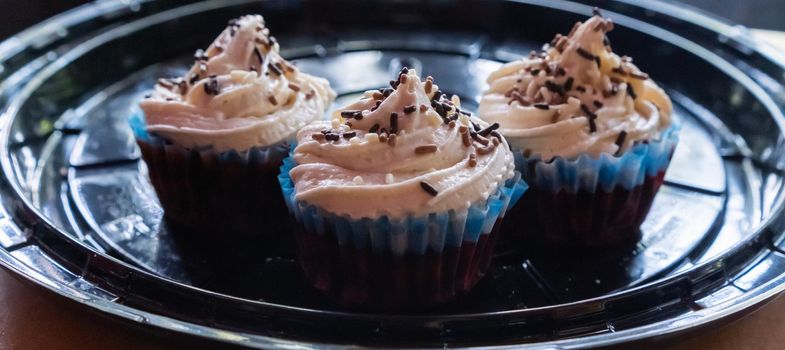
71 158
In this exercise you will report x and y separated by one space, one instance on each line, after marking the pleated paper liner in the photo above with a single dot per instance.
397 264
216 194
588 202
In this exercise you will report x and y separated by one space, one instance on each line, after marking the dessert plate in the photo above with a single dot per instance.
79 216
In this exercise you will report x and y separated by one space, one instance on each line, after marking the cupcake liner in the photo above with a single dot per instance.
405 262
209 192
593 202
606 172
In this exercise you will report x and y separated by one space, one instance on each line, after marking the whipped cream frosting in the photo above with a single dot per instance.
576 97
239 93
400 151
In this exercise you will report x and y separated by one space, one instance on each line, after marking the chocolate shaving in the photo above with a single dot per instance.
428 188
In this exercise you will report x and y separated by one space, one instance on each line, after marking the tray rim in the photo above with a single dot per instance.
752 297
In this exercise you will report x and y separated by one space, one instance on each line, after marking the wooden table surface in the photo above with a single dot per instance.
33 318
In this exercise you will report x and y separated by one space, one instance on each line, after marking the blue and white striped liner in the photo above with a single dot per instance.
412 235
586 173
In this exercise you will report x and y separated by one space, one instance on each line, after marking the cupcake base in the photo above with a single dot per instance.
211 193
586 219
381 280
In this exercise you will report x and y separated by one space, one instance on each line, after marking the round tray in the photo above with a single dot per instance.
80 218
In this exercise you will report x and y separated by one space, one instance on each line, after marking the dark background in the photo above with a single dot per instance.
16 15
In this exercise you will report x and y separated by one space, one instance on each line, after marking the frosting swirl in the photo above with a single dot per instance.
576 97
405 150
238 94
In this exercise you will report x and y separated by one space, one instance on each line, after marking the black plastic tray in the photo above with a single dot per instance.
80 217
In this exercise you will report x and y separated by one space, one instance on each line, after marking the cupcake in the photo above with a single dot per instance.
214 139
399 198
591 133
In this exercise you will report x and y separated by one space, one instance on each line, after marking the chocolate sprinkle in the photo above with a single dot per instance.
550 85
585 54
374 128
348 135
318 137
274 69
426 149
542 106
409 109
591 116
568 84
351 113
487 131
258 55
332 137
428 188
581 88
211 87
631 92
472 160
598 104
620 141
199 55
393 123
294 86
437 95
272 100
466 139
